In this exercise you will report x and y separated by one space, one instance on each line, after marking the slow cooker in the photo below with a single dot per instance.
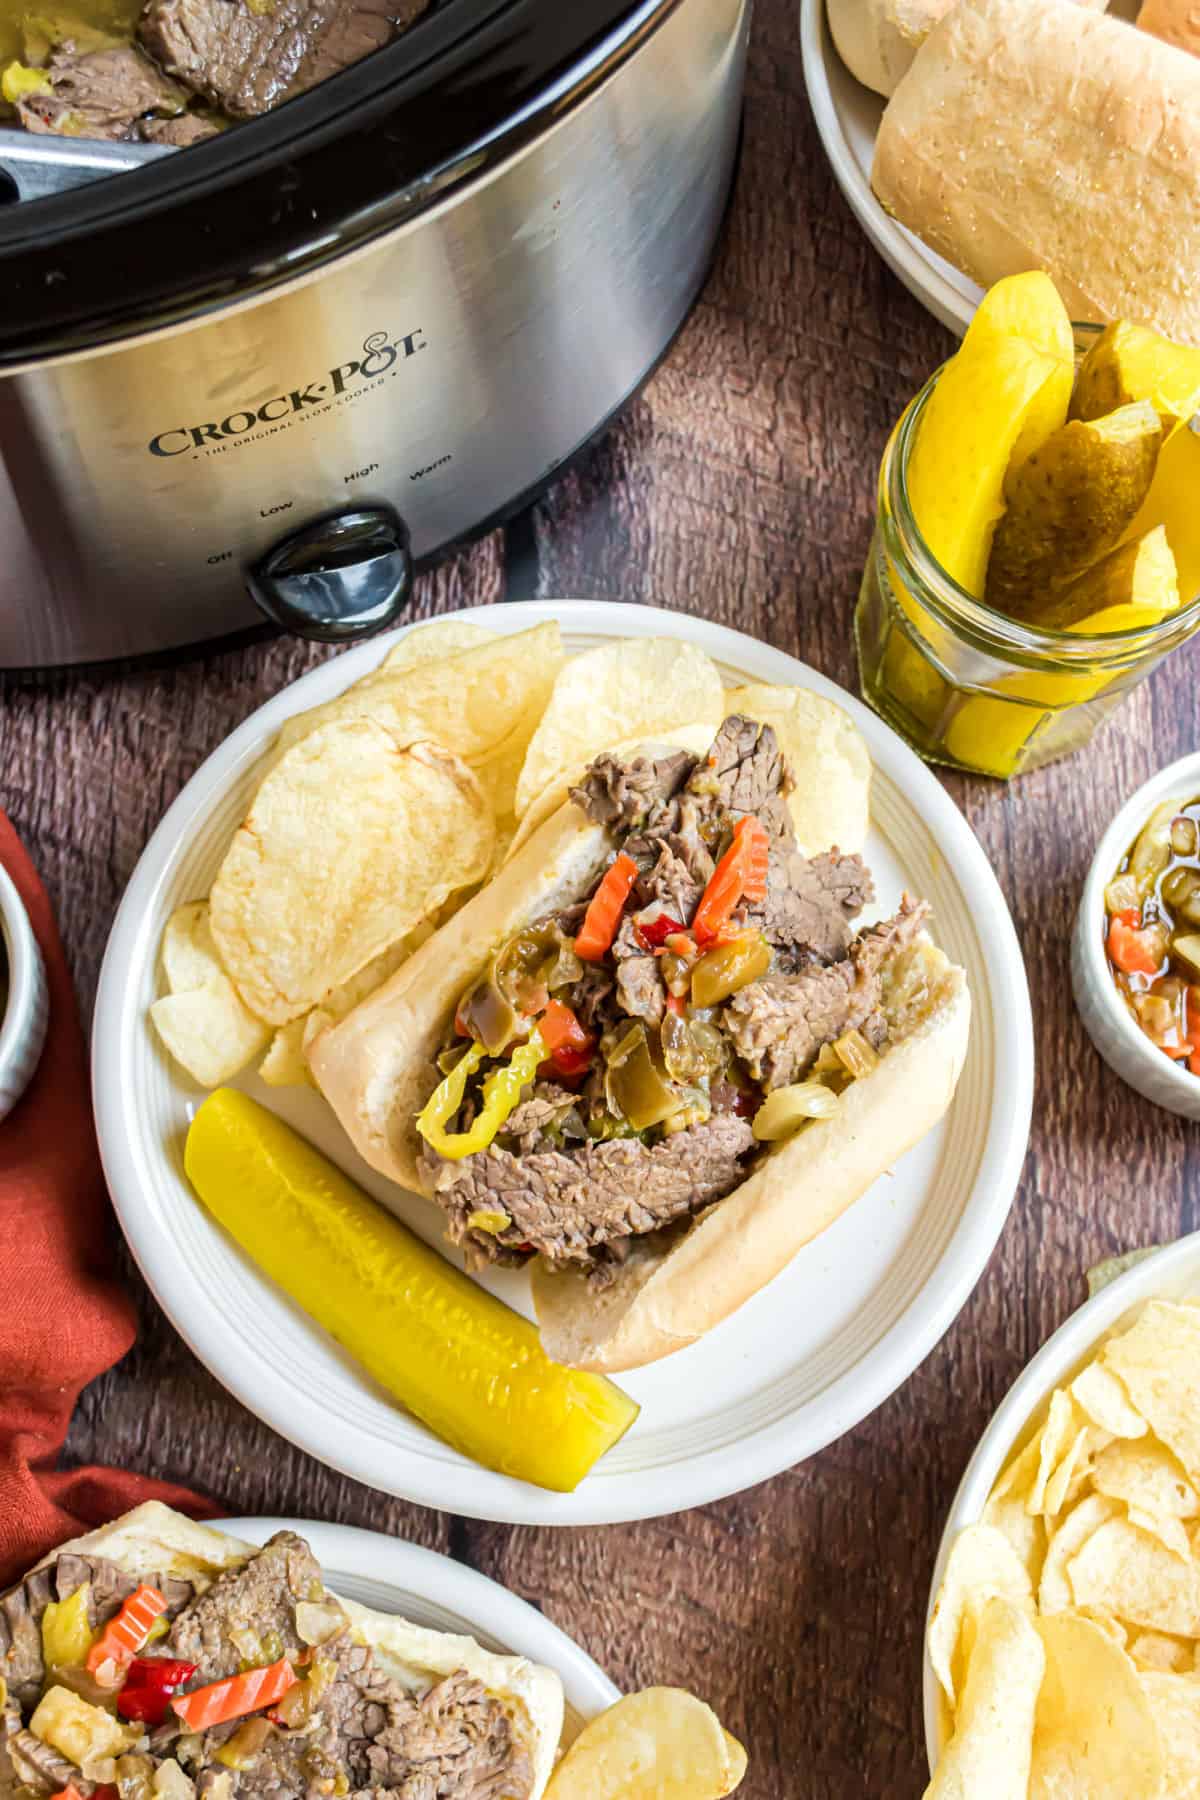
271 372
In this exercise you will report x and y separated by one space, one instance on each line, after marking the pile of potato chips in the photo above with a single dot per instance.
1066 1635
382 811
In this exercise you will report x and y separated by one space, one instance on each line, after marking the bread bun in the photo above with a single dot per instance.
877 39
1032 134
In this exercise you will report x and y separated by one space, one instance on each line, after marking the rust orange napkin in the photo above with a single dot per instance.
64 1318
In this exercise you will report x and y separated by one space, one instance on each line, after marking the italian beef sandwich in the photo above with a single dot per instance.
159 1659
659 1052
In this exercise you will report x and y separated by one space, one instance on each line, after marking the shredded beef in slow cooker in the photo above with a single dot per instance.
245 59
237 58
367 1735
103 94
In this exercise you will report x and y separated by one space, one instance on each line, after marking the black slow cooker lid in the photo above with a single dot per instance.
281 195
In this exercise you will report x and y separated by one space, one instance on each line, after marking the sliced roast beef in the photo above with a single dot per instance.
245 57
42 1769
545 1110
667 880
454 1741
100 94
745 772
641 989
568 1203
810 903
779 1024
228 1624
621 794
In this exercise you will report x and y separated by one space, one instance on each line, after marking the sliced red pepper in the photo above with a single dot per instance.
571 1047
1129 945
603 915
740 875
124 1636
676 1004
151 1683
655 932
232 1699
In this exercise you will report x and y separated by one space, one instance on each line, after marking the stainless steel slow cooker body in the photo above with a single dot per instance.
416 291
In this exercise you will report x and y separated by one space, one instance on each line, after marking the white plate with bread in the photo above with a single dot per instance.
994 136
794 1368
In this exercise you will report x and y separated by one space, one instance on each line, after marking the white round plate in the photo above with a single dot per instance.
431 1590
804 1361
1168 1275
847 117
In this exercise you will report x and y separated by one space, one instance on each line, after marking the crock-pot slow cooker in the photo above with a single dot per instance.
355 330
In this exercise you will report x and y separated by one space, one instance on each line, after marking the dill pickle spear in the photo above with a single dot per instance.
1138 578
1069 504
465 1364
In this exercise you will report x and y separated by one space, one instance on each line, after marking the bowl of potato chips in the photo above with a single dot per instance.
1063 1637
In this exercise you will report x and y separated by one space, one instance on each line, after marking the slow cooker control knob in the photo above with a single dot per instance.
337 578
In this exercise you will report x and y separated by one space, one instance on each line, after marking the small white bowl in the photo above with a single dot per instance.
23 1025
1168 1275
1121 1042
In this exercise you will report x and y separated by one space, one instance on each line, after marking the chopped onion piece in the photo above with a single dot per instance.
170 1782
855 1054
788 1108
316 1622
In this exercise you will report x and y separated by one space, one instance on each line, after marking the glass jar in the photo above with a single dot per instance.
967 685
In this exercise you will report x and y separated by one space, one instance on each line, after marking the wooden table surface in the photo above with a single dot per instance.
738 487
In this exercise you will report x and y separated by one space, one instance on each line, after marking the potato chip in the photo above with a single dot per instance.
1124 1570
634 688
284 1065
1145 1475
1074 1529
1057 1435
209 1031
661 1744
1166 1655
982 1563
1175 1707
472 703
1098 1392
829 758
694 738
189 954
988 1757
1094 1734
1170 1532
286 1061
441 637
1071 1475
1007 1511
203 1021
1158 1361
350 842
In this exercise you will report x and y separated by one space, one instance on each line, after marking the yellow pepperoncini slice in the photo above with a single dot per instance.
67 1635
501 1094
